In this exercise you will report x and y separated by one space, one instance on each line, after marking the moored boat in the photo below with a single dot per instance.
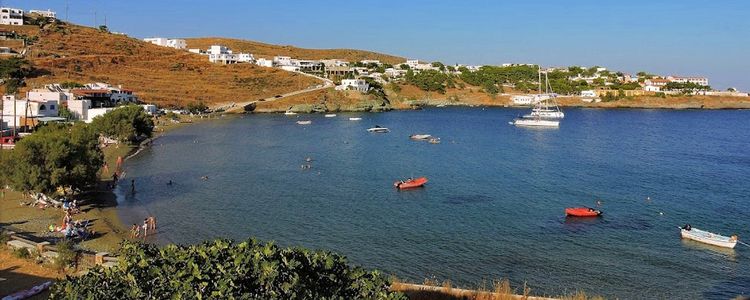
355 119
687 232
410 183
536 122
304 122
290 113
330 115
420 136
378 129
582 212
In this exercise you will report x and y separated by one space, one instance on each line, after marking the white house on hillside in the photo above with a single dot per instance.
353 84
264 62
44 13
697 80
221 54
11 16
282 61
245 57
165 42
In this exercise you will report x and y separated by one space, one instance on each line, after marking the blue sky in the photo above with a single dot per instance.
681 37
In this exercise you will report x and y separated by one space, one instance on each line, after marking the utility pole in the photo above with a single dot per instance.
66 11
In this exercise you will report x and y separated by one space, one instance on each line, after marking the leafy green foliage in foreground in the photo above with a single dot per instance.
225 270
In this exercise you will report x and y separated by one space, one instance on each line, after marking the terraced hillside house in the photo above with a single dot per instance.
221 54
165 42
353 84
11 16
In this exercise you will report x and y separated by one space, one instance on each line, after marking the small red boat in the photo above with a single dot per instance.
582 212
410 183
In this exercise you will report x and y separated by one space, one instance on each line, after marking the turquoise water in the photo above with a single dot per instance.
493 207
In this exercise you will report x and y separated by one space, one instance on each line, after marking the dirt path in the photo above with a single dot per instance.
239 107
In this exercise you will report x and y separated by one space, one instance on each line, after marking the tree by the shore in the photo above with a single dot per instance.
55 156
222 269
127 124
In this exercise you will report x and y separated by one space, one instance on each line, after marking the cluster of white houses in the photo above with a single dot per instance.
85 103
14 16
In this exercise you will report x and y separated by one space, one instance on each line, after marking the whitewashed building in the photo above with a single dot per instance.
16 111
44 13
245 57
165 42
11 16
79 109
263 62
371 61
359 85
523 99
696 80
282 61
221 54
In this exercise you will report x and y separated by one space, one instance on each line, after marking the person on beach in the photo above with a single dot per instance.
134 231
152 223
145 228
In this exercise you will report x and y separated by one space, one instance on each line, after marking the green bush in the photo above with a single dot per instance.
22 253
222 269
66 255
127 124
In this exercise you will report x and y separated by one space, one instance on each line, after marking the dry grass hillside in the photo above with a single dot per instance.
156 74
269 51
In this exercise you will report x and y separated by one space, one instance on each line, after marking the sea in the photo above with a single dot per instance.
493 207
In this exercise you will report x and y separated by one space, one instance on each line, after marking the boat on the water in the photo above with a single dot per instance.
536 122
410 183
420 136
585 212
290 113
355 119
546 112
378 129
687 232
330 115
304 122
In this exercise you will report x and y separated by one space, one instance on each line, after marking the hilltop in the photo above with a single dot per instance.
269 51
160 75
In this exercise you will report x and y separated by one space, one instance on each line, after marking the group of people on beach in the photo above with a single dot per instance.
149 225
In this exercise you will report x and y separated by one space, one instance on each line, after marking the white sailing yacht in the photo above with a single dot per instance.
545 112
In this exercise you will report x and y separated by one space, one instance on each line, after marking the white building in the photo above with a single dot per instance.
92 113
353 84
697 80
590 96
15 111
48 95
79 109
11 16
165 42
118 95
197 51
393 72
44 13
245 57
290 68
523 99
371 61
264 62
412 63
221 54
282 60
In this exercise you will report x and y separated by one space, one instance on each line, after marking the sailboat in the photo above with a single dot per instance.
545 106
543 114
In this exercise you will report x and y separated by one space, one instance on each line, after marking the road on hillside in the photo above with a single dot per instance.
327 83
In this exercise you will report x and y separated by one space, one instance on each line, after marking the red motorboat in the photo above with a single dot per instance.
410 183
582 212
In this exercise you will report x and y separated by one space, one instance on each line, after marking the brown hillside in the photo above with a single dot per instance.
158 75
268 51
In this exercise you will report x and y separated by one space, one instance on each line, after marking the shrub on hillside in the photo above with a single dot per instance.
222 269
